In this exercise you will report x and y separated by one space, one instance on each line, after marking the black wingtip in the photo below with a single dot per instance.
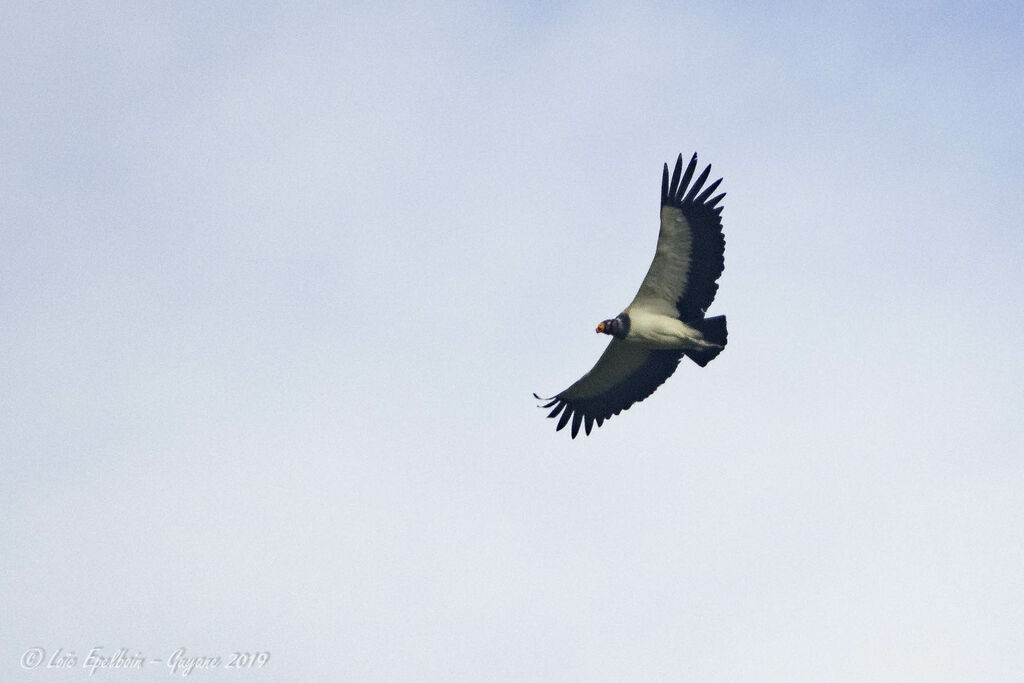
697 184
674 185
685 180
703 196
576 419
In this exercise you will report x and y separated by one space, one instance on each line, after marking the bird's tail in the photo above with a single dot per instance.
714 331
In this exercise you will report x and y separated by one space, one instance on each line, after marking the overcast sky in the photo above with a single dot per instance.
276 285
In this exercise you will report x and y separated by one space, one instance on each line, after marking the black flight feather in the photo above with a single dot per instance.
675 177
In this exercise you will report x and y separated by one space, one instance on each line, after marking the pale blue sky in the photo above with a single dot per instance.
276 285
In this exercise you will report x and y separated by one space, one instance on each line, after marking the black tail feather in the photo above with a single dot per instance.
714 331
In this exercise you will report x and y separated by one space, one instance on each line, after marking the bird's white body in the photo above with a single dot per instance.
657 331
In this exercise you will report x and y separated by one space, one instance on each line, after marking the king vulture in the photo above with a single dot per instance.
665 320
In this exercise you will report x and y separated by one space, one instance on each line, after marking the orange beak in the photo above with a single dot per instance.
600 328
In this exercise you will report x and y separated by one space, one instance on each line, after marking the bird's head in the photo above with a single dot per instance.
616 327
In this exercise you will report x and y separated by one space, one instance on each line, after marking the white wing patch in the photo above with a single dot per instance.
665 282
617 363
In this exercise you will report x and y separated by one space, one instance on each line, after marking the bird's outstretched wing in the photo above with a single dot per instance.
624 374
682 279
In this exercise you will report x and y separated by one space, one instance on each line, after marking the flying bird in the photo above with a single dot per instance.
666 319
